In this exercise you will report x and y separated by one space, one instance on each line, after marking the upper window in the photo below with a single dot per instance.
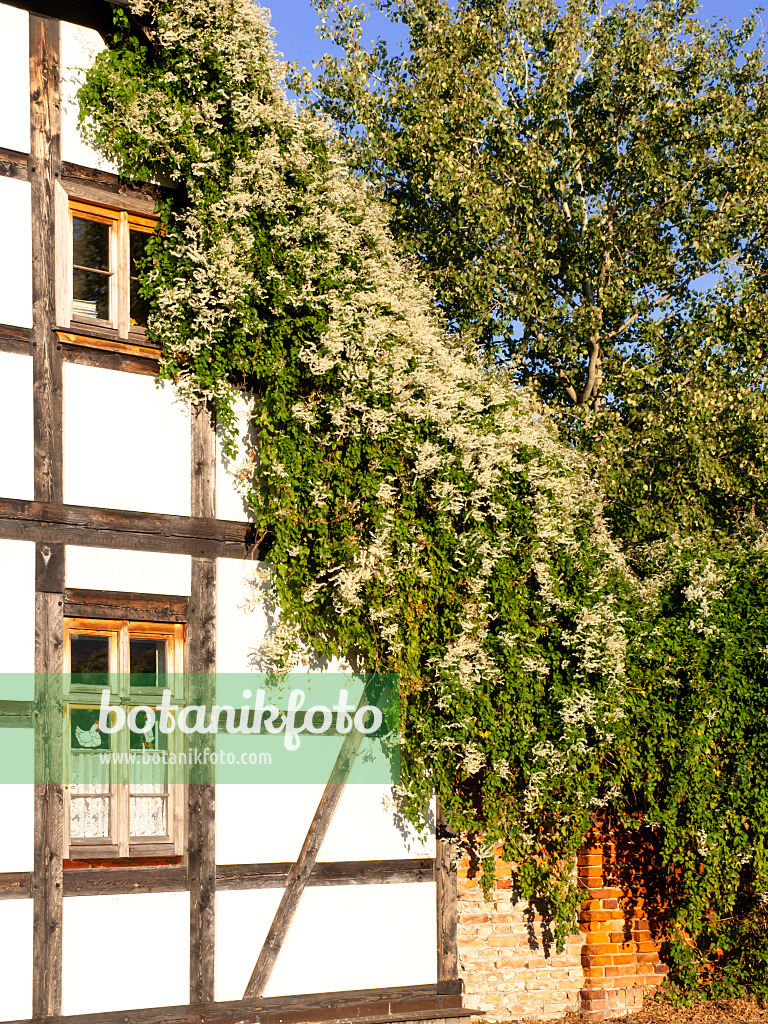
100 285
121 802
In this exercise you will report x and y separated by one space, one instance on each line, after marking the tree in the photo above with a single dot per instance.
586 194
425 517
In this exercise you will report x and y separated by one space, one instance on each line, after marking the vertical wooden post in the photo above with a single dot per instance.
47 877
44 167
446 898
201 658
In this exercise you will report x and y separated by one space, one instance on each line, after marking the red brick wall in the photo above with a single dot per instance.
507 953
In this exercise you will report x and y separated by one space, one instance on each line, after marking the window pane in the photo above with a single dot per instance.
90 294
89 657
89 817
139 306
90 244
89 781
148 661
149 816
90 277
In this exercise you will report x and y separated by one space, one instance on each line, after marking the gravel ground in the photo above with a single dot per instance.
658 1011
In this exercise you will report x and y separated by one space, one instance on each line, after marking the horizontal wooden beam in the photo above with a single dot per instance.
134 531
364 1006
95 14
15 885
14 164
119 198
15 339
121 879
348 872
17 714
109 360
96 604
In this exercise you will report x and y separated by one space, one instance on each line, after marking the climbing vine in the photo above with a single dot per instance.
422 515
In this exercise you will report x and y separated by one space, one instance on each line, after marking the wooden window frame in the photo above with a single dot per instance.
120 223
120 844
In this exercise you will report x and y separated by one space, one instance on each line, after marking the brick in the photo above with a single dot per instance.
595 960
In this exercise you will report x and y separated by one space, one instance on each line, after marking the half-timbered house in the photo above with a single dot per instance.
125 547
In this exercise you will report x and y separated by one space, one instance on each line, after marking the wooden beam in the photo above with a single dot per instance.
109 360
348 872
15 339
94 14
44 168
128 878
15 885
47 880
446 899
201 663
364 1006
301 871
75 175
49 568
14 164
113 528
120 198
105 604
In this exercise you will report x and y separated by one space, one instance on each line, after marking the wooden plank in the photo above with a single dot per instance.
117 880
47 881
301 871
119 520
129 200
15 339
15 885
135 531
106 183
44 169
364 1006
446 900
49 568
107 340
123 362
14 164
100 604
374 872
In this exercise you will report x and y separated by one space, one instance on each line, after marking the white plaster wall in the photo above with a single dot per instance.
17 619
79 46
366 827
242 922
126 442
125 952
143 572
16 959
17 806
16 426
263 823
240 622
342 937
229 495
16 252
14 79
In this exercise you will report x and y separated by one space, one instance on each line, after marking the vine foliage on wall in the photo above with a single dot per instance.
424 517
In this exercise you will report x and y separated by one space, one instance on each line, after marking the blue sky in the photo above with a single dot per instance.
295 22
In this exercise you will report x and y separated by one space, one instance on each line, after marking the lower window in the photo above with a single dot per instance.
122 799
